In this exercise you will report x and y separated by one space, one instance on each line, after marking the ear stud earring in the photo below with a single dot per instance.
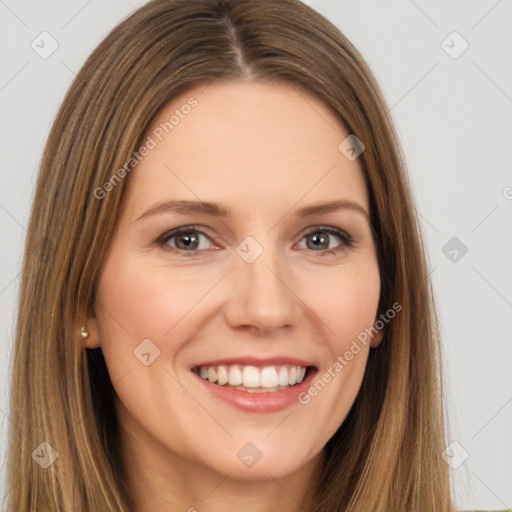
83 332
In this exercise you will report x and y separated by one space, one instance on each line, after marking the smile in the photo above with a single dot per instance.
253 379
254 385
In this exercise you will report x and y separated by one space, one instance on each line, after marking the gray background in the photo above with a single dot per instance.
454 120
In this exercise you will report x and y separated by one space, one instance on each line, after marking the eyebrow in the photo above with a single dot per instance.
217 210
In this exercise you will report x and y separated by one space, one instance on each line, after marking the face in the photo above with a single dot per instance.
203 330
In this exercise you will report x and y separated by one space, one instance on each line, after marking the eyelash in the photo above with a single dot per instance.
346 240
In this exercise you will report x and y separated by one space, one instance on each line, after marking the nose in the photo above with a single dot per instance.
261 295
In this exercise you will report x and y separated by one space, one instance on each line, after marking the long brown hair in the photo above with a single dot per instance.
386 456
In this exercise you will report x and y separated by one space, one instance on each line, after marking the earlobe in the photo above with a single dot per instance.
376 340
89 333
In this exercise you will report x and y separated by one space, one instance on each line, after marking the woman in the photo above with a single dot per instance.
182 344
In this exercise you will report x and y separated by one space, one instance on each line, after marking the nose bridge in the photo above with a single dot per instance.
261 297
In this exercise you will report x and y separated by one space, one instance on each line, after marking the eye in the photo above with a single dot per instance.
319 238
188 239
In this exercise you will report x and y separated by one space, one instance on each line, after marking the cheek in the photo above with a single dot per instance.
146 302
347 306
347 300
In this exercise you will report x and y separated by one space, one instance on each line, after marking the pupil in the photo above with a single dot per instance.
189 243
318 238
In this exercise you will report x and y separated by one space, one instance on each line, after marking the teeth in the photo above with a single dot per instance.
235 375
254 379
251 377
283 376
212 374
222 375
292 375
268 377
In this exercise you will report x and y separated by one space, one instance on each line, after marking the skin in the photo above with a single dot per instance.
264 151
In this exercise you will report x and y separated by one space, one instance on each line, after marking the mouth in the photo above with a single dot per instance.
253 385
252 378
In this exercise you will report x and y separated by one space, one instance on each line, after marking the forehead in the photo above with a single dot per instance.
254 143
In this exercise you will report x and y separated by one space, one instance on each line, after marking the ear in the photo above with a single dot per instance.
91 326
375 341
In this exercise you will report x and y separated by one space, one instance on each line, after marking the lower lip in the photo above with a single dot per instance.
259 402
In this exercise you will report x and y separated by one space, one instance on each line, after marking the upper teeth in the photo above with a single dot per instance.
253 376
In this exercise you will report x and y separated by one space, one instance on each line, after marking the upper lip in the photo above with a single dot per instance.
255 361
